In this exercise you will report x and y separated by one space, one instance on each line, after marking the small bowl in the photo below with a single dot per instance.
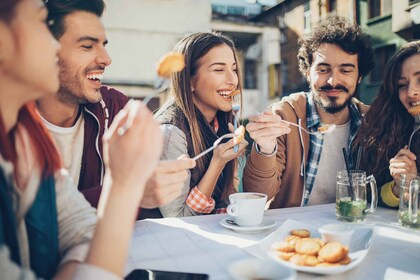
336 232
260 269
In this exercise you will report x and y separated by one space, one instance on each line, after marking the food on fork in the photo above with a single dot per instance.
326 128
299 248
239 134
414 110
171 62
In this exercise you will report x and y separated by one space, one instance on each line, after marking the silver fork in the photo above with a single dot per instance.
416 128
163 87
217 142
331 127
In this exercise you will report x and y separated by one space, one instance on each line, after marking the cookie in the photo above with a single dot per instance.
303 233
292 239
327 264
298 259
285 256
283 247
311 261
332 252
319 241
239 135
345 261
307 246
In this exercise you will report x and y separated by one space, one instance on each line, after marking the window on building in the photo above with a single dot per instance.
250 73
382 55
307 18
379 8
283 30
331 5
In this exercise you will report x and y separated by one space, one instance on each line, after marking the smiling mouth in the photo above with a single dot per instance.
95 78
228 93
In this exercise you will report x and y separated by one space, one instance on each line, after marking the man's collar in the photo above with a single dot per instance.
312 117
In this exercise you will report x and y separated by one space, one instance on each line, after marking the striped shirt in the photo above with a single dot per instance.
315 143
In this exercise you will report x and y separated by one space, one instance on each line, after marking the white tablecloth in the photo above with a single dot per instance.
201 245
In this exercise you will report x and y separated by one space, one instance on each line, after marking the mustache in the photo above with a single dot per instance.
337 87
96 68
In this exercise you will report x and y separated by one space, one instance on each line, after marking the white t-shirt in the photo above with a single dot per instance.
330 162
69 141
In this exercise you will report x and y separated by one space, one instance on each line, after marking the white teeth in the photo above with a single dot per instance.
415 103
224 93
95 77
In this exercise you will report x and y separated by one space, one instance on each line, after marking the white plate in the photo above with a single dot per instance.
260 269
359 246
266 223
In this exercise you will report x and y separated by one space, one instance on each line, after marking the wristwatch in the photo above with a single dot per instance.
265 154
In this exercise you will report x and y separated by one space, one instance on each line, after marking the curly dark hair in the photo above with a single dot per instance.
387 125
339 31
59 9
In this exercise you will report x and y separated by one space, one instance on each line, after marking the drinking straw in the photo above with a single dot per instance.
359 155
351 189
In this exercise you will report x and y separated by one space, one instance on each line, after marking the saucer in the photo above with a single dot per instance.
266 223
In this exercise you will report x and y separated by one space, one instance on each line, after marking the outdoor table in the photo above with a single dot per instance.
201 245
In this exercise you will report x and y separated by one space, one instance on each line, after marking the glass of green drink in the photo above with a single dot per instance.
351 206
409 213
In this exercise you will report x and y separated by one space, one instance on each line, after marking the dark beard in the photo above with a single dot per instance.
333 107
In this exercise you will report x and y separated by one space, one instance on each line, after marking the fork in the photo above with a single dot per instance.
217 142
236 107
163 87
416 128
331 127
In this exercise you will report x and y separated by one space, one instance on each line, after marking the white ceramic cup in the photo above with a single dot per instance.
247 208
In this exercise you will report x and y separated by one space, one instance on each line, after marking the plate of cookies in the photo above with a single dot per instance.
300 246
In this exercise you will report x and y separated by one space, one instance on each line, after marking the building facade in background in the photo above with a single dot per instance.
389 22
140 32
266 38
150 28
258 46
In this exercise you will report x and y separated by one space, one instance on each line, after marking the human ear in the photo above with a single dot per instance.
192 85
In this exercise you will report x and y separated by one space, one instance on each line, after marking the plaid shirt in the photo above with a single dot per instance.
315 143
198 201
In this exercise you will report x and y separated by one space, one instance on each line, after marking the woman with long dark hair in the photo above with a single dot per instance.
47 228
388 125
199 111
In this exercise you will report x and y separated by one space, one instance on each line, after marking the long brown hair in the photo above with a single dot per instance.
46 153
194 47
387 125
